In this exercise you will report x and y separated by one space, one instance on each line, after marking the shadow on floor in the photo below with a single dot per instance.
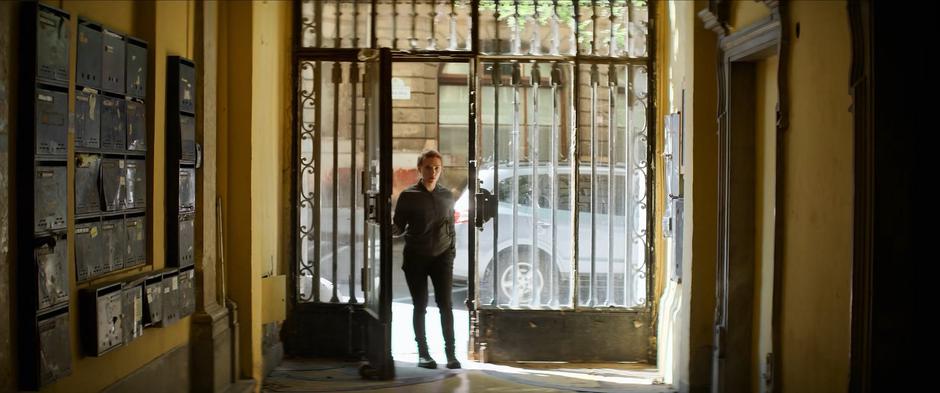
319 375
304 375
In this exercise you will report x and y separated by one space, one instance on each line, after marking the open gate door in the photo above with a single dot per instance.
377 186
341 288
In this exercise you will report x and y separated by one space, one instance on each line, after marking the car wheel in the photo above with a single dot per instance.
532 286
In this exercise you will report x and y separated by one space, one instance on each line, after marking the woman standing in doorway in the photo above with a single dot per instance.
425 216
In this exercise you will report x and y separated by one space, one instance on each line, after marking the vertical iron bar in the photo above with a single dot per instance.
432 40
594 27
496 29
297 40
556 115
338 40
473 43
374 17
318 18
628 195
353 81
473 85
534 163
476 148
556 40
452 39
355 39
514 195
593 284
575 31
629 20
318 163
611 126
337 79
497 83
612 46
413 40
517 34
575 158
625 25
367 230
535 45
394 24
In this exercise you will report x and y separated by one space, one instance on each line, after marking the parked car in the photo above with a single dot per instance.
543 241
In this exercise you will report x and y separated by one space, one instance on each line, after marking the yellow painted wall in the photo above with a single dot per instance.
687 309
243 275
817 215
675 65
167 27
701 208
256 46
271 104
745 12
765 176
817 258
253 127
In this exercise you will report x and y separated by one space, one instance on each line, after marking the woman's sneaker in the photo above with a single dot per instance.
452 362
426 361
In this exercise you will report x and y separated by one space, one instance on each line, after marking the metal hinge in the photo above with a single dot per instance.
363 274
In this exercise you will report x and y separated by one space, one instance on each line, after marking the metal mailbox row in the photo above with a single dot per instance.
109 184
115 314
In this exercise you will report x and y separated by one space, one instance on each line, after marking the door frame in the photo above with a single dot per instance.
310 324
738 54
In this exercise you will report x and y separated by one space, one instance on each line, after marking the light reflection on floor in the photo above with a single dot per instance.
324 375
531 376
403 339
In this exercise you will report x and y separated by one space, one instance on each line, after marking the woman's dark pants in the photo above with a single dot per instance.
441 270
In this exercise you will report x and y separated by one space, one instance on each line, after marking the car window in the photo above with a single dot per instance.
525 190
584 193
563 192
